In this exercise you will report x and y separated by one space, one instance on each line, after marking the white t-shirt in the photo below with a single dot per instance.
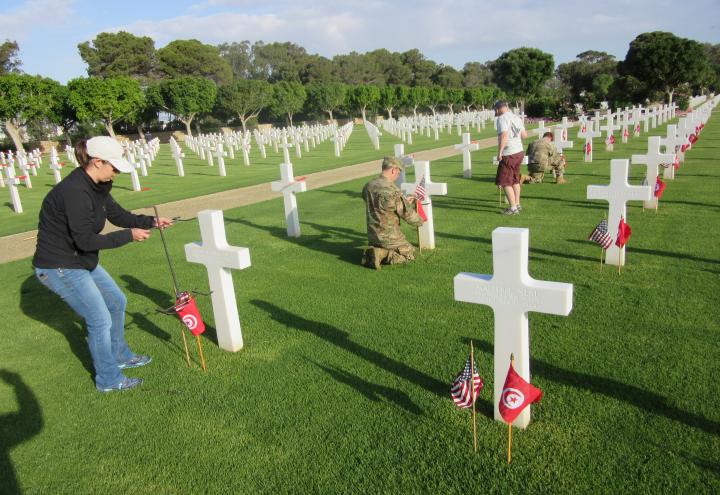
510 123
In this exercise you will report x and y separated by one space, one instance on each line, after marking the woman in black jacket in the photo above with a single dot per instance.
66 257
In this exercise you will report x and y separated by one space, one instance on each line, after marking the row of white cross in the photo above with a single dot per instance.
404 127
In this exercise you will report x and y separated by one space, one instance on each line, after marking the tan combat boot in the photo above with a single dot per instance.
560 180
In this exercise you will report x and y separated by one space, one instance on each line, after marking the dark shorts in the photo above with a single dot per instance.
508 172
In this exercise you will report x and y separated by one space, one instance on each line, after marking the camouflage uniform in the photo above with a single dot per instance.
542 157
385 206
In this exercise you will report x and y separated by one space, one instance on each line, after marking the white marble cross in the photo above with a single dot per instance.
55 165
285 145
289 186
564 126
178 155
220 154
12 183
617 194
407 160
560 142
427 230
511 292
672 142
467 146
588 134
652 161
219 258
610 127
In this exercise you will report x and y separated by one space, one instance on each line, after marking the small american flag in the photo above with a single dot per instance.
460 391
420 189
600 235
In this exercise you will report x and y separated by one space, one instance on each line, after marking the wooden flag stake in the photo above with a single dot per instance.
472 388
187 354
419 244
512 363
200 351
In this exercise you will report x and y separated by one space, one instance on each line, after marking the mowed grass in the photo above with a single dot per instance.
163 184
342 386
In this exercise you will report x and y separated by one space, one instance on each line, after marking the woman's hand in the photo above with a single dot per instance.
140 235
162 223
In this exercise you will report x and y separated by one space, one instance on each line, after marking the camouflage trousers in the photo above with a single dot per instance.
537 174
374 256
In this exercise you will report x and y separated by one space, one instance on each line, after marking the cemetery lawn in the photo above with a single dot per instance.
343 384
163 184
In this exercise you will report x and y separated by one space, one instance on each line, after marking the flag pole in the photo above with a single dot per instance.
174 279
200 351
472 388
512 362
601 256
620 259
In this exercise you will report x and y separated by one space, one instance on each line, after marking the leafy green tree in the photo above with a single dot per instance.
186 97
355 68
476 74
712 52
447 76
239 57
418 96
244 99
182 58
288 98
148 111
663 61
435 98
24 99
421 69
277 61
389 99
589 77
62 112
326 97
106 100
119 54
522 72
364 97
9 60
390 66
317 69
453 97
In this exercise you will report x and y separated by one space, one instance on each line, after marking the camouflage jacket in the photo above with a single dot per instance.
385 206
543 155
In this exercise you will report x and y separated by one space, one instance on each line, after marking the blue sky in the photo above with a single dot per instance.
448 31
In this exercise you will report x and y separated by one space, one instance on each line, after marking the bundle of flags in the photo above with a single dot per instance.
516 395
624 233
610 139
420 195
626 133
588 148
659 188
467 385
188 312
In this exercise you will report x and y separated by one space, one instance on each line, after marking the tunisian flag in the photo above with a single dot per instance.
624 233
659 188
516 395
188 312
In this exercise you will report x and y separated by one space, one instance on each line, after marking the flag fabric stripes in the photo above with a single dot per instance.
460 390
600 235
420 189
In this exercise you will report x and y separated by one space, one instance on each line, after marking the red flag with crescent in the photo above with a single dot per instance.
659 188
516 395
189 314
624 233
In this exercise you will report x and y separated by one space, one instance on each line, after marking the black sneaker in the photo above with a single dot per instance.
125 384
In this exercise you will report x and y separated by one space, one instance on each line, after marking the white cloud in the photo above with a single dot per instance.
34 16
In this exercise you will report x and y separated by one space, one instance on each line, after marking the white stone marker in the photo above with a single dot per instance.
617 194
427 231
672 142
12 183
610 127
467 146
407 160
220 154
178 155
652 160
219 257
588 134
511 292
285 145
289 186
560 142
55 165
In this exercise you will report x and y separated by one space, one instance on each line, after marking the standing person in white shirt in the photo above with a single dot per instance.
511 132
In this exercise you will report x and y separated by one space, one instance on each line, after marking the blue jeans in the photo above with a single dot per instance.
95 296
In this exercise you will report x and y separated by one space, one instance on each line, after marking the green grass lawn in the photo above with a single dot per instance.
343 384
164 185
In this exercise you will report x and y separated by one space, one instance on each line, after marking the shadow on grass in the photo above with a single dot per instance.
42 305
533 250
371 391
17 427
345 244
689 203
655 252
340 339
642 399
581 204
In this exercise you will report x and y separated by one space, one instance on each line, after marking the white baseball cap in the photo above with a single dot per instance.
108 149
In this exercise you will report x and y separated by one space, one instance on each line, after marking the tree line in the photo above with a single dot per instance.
130 82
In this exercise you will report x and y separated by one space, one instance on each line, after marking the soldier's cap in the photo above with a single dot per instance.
392 162
499 104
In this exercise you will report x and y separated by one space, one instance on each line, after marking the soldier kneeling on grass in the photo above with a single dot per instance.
385 205
543 157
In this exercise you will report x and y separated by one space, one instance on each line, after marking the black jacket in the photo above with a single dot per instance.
71 218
